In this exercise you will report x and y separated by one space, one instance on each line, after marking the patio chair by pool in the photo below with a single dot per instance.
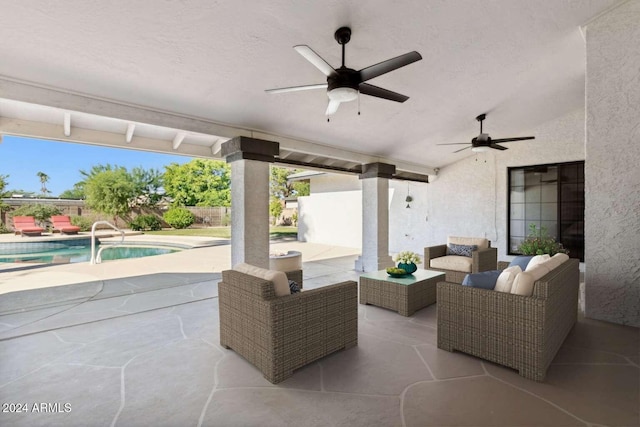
26 226
62 223
279 332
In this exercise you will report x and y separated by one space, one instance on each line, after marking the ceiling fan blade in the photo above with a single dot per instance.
379 92
332 107
388 65
497 147
522 138
315 59
297 88
465 148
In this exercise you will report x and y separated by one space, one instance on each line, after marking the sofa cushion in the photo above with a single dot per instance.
537 260
521 260
482 243
555 261
452 262
461 250
279 278
538 270
484 279
506 279
523 285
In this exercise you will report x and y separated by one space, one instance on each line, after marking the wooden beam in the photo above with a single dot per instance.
67 124
130 129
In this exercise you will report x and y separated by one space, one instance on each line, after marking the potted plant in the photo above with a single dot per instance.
407 261
538 242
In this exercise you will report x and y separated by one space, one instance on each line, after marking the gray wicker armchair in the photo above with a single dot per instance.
456 267
281 334
521 332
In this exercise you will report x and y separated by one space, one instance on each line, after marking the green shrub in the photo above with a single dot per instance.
226 220
3 228
145 222
539 243
179 217
83 222
41 213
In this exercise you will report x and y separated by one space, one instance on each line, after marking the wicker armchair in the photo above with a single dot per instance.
281 334
521 332
482 259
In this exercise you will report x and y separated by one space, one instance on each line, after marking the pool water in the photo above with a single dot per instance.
73 254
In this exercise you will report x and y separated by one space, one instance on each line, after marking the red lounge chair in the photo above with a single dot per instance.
26 226
62 223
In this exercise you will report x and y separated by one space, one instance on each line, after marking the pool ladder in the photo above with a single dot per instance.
95 258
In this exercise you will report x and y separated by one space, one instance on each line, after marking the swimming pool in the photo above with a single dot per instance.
76 251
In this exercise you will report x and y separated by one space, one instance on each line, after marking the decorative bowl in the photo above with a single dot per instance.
396 272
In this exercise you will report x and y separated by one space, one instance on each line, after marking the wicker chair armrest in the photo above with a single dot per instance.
432 252
484 260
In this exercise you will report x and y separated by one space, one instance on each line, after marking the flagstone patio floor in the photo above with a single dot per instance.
143 350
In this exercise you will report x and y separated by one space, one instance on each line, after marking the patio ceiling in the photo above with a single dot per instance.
184 77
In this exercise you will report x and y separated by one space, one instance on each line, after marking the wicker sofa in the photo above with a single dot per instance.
521 332
457 267
281 334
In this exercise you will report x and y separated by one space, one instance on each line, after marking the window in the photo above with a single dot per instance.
550 196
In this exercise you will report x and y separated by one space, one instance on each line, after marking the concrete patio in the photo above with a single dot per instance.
142 349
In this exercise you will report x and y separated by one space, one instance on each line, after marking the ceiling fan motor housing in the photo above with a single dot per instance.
344 85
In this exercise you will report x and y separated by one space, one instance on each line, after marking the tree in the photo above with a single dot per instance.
77 192
201 182
275 208
110 192
44 178
147 184
3 184
281 188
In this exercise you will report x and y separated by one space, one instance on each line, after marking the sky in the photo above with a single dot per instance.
22 158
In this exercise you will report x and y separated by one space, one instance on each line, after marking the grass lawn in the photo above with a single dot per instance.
224 232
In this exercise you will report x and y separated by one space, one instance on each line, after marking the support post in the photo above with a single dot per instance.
249 159
375 217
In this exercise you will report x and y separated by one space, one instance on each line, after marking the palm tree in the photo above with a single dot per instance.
43 181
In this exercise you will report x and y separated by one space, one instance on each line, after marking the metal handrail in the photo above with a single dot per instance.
95 259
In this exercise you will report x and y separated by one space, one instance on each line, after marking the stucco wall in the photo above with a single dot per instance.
469 197
332 218
612 180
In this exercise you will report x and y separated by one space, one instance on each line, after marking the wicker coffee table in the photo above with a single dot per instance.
405 295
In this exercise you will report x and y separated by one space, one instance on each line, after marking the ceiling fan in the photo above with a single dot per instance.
483 141
344 84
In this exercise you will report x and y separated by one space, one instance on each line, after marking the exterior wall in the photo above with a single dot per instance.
331 218
330 182
612 181
469 197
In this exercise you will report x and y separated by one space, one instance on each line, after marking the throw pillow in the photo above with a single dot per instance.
523 285
293 287
506 279
461 250
484 279
279 278
538 259
522 261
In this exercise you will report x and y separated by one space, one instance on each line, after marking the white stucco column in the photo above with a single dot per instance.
249 159
375 217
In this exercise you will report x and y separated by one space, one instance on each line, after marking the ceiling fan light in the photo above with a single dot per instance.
479 149
343 94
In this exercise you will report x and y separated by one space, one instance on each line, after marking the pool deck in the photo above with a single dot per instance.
207 255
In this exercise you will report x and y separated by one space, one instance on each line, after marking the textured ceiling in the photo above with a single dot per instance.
520 61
